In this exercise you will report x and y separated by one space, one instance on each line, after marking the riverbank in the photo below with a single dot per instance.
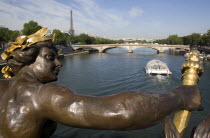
69 51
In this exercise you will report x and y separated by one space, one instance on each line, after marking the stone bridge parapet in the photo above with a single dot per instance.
130 47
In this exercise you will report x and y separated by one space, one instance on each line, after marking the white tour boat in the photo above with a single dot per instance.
157 67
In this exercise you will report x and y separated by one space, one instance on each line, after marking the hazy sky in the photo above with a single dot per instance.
111 18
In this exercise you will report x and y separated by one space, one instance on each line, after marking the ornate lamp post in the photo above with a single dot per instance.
191 72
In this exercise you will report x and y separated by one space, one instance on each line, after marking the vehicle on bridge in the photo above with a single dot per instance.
157 67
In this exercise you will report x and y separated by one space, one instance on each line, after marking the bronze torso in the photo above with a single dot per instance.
19 115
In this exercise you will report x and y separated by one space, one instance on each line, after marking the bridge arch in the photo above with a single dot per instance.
158 49
143 47
129 49
114 48
105 49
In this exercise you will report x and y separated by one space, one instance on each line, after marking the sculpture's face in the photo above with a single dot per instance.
46 65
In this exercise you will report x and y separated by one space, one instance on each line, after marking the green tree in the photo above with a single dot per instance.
72 39
195 39
121 41
30 28
4 34
13 35
60 38
85 39
203 40
186 40
103 41
175 40
7 35
162 41
208 38
97 41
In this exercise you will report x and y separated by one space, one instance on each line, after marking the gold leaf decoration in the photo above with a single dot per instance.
22 42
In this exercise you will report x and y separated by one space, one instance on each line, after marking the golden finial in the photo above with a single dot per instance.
191 72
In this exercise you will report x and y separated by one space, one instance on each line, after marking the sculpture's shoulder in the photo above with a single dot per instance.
51 93
23 86
51 89
54 87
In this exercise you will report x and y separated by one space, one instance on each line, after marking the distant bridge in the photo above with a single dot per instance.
130 47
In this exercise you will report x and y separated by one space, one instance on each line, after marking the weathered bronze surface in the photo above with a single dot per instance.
30 106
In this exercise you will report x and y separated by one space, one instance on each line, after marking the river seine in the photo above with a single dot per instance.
115 71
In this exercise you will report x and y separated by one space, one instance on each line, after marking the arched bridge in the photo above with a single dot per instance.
130 47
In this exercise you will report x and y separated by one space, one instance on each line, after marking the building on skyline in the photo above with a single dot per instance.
71 30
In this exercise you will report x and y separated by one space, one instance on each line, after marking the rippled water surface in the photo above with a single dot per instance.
115 71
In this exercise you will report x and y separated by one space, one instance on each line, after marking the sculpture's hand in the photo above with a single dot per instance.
203 129
191 97
170 129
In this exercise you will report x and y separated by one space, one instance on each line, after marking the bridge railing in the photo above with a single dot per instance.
150 45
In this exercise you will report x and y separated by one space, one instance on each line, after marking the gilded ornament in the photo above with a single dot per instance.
23 42
191 73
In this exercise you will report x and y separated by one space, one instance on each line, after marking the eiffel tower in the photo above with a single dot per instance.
71 31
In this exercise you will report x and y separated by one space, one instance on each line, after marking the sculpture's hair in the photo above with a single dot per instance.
27 56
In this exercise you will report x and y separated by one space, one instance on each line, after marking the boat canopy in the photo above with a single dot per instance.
157 67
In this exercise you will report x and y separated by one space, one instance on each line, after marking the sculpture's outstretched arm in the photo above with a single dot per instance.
123 111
